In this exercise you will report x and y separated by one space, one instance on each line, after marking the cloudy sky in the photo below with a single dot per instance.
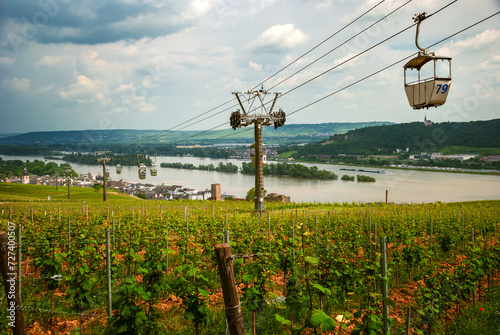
153 64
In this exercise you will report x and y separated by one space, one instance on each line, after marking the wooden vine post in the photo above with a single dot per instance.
15 317
231 300
385 291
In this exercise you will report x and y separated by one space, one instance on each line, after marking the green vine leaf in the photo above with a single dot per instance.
282 320
321 320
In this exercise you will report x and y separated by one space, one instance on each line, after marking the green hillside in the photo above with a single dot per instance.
88 140
19 192
481 137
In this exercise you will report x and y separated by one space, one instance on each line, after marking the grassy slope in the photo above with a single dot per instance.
26 193
286 155
20 192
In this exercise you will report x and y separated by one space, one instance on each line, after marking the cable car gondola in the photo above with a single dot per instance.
119 168
253 156
427 90
153 169
142 168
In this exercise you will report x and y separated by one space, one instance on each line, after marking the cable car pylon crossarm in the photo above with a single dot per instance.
265 117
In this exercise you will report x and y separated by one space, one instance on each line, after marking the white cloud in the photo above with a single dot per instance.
124 88
51 60
85 90
17 84
7 61
45 89
346 79
201 7
255 66
190 55
346 61
144 107
279 37
487 38
324 4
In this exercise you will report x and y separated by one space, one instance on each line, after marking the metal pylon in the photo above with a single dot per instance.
259 113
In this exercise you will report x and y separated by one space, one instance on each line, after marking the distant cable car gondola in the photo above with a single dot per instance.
142 171
119 168
427 90
153 169
142 168
253 155
107 172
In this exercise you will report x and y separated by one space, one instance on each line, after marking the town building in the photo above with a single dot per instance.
422 155
439 156
216 192
25 177
460 157
491 158
275 197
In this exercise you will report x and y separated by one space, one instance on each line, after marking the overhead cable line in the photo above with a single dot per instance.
310 50
346 61
200 133
332 50
361 53
204 119
233 133
164 132
391 65
319 75
379 71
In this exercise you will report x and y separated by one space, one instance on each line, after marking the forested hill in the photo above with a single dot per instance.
289 134
448 138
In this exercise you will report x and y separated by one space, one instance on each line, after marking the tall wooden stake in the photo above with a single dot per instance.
69 188
231 301
408 315
385 295
108 268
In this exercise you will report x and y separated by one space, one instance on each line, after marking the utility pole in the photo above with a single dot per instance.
68 172
260 116
69 188
104 178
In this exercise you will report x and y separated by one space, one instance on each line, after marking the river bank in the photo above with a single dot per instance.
403 185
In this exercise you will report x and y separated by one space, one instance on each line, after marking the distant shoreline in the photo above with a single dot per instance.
425 168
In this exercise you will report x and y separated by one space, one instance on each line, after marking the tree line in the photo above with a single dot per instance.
222 167
385 139
9 168
292 170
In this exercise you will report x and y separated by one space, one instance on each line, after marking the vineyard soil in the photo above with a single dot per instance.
297 267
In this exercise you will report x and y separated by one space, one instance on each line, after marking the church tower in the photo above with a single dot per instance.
25 179
427 122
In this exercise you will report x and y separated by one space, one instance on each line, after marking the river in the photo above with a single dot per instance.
404 186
